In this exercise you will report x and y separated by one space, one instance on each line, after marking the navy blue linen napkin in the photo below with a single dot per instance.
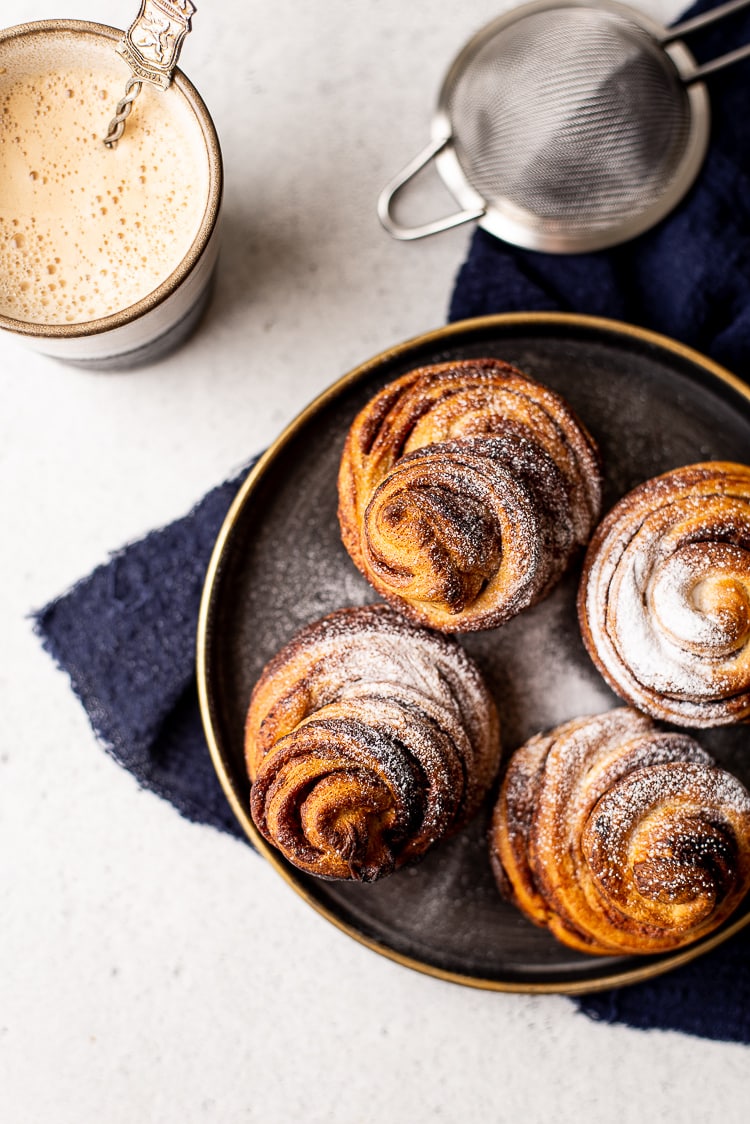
126 634
126 637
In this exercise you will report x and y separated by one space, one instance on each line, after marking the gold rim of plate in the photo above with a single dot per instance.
563 319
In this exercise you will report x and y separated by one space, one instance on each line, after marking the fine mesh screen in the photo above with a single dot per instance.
576 115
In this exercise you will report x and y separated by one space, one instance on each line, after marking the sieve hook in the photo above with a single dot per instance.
391 190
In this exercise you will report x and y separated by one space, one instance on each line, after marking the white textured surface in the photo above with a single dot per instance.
157 971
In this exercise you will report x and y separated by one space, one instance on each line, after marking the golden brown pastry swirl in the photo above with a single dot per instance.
664 602
464 490
621 838
367 740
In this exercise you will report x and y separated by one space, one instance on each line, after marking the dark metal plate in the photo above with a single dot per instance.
279 564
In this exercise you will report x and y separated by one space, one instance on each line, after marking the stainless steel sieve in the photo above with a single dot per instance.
565 128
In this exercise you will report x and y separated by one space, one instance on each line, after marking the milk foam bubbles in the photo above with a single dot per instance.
87 231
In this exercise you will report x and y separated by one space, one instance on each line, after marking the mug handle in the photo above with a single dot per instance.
391 190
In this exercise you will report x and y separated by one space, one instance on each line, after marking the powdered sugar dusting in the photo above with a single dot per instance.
464 490
666 609
623 837
365 696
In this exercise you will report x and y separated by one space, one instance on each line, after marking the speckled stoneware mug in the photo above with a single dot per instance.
106 254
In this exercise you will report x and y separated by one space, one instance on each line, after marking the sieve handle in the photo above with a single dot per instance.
719 63
712 16
391 190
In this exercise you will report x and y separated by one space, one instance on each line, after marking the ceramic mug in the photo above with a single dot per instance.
106 255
